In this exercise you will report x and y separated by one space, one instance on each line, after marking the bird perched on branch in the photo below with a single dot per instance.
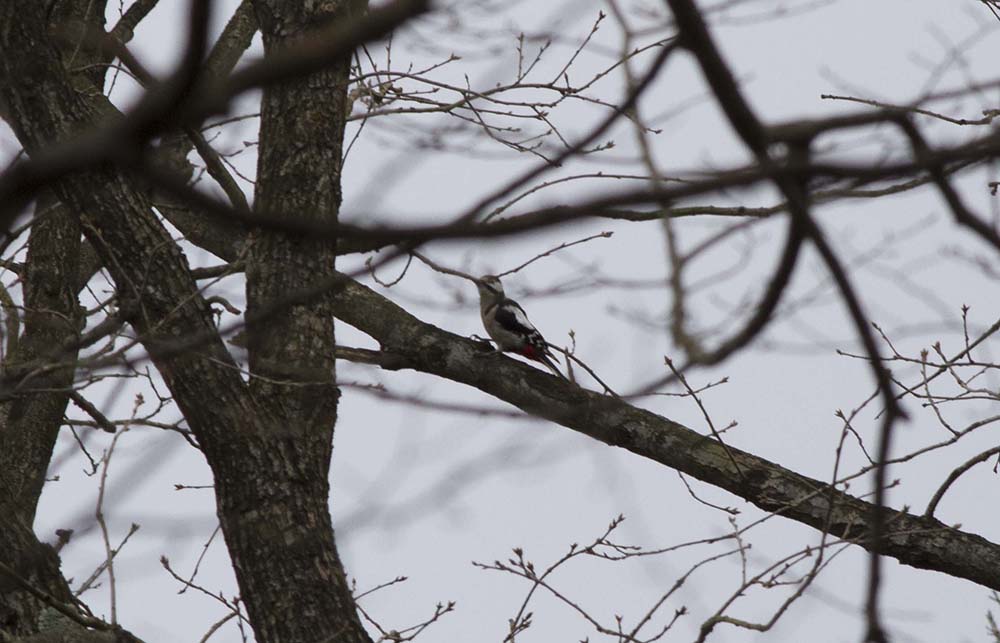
508 325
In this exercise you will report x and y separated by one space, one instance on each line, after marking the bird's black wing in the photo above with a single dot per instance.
512 317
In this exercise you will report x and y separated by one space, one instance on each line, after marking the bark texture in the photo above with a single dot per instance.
268 447
913 540
31 414
292 348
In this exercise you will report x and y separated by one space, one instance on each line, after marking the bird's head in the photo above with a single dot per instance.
490 287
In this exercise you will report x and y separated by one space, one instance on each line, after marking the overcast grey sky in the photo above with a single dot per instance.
422 493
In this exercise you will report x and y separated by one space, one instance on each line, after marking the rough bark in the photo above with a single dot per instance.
30 416
34 563
913 540
29 422
271 489
292 349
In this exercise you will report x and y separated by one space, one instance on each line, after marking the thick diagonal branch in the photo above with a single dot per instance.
912 540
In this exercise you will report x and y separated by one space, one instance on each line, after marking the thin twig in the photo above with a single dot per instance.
954 475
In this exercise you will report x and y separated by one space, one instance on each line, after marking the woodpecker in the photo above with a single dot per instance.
508 325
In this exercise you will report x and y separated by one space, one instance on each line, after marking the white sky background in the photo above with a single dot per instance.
421 493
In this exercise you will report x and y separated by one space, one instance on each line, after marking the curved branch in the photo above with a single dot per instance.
955 475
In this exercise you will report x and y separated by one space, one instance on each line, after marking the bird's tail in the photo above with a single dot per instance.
546 358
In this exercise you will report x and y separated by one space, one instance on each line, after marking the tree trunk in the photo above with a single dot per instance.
268 443
30 415
292 348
